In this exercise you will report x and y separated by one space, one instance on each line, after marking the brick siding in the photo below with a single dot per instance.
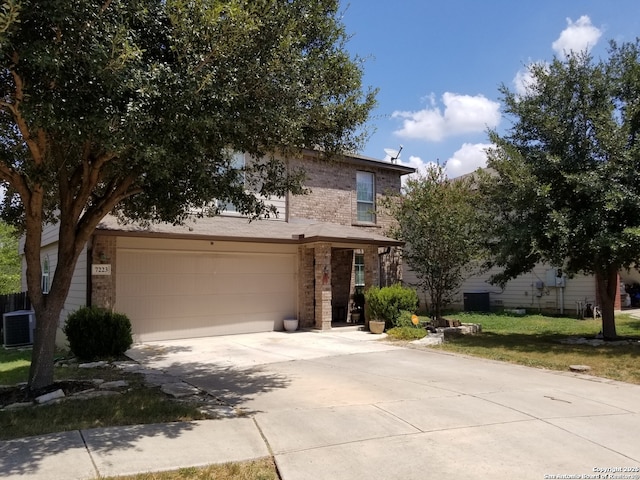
103 291
332 197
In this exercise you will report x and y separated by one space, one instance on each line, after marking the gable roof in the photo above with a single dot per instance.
239 229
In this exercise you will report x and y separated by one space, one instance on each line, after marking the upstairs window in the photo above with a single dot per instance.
237 163
365 187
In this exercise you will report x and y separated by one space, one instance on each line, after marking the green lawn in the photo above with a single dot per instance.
141 404
14 365
534 340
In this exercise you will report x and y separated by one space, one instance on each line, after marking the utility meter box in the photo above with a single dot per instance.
555 278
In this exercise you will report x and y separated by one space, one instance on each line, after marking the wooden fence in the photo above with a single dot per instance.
14 301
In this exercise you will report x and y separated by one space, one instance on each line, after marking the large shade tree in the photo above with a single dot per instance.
135 106
437 218
565 188
10 264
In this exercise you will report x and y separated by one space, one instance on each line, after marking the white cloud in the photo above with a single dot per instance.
467 159
416 162
524 78
577 37
462 114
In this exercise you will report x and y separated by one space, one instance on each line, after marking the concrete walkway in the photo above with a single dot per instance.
346 406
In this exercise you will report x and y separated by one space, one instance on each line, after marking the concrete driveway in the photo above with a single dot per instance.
343 405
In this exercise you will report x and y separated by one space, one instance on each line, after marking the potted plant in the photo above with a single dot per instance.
357 307
376 326
386 303
375 310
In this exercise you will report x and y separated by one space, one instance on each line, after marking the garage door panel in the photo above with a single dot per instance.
251 265
234 284
181 295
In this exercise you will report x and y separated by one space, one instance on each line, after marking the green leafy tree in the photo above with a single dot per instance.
565 188
10 264
134 107
437 219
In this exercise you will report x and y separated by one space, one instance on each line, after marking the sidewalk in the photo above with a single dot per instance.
101 452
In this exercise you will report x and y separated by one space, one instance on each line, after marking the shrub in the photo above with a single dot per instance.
404 320
407 333
98 333
386 303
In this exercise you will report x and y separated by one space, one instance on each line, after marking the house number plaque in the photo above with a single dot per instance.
101 269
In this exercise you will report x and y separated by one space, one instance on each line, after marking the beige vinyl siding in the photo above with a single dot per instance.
522 292
185 288
77 295
50 233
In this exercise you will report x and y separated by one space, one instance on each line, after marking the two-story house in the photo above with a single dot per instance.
225 275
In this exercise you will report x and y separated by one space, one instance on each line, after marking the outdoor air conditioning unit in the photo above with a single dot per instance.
18 327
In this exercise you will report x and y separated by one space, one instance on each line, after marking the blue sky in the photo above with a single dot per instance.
439 64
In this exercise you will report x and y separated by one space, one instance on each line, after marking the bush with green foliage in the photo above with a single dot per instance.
404 319
10 263
98 333
386 303
407 333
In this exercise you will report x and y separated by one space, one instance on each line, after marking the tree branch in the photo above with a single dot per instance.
105 5
106 204
85 179
36 146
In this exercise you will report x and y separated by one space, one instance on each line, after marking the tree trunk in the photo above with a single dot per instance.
48 307
41 371
607 284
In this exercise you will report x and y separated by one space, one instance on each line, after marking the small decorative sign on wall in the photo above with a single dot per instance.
101 269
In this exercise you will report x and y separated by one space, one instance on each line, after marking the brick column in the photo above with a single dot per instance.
306 292
323 286
103 287
371 267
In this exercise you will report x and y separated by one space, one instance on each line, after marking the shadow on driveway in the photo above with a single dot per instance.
205 367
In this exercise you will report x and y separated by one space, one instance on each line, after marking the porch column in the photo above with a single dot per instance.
306 287
323 286
103 287
371 267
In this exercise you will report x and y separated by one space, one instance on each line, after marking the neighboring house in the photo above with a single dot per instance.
544 289
225 275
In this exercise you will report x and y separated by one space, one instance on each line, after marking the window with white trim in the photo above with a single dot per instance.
45 274
359 270
366 194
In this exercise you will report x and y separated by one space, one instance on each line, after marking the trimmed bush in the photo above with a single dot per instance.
95 333
407 333
404 320
386 303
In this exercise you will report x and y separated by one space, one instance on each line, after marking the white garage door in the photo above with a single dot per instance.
171 295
